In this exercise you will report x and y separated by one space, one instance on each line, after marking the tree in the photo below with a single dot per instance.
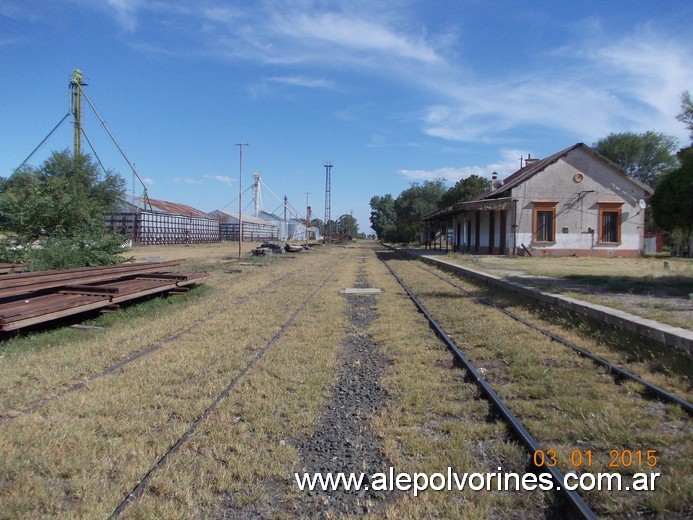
464 190
348 226
52 217
644 156
383 216
411 206
686 115
319 224
672 202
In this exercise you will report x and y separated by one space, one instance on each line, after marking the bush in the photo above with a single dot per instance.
68 252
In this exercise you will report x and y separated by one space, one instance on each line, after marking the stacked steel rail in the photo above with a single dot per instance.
37 297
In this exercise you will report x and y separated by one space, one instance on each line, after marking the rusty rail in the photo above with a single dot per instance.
37 281
32 298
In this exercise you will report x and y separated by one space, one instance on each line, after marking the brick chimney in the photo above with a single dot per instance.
529 161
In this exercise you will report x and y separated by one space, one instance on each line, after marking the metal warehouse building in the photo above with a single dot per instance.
254 228
151 221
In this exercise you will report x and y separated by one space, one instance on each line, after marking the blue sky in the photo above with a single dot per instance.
390 92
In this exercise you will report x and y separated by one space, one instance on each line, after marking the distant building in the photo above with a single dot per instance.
152 221
254 228
291 228
575 202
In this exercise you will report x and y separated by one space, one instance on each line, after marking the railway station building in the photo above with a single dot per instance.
575 202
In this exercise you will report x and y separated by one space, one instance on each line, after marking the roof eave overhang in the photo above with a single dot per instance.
474 205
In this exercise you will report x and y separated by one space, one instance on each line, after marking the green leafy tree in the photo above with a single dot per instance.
411 206
348 226
686 115
52 217
383 216
672 202
644 156
319 224
464 190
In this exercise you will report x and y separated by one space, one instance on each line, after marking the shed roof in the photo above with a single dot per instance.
177 208
246 218
163 206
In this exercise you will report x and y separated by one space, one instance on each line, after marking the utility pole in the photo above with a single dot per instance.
328 189
307 216
286 222
76 108
240 199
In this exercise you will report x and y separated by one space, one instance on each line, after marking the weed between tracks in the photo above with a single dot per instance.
568 404
80 454
436 420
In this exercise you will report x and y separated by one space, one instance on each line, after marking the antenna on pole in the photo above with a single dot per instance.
240 199
328 195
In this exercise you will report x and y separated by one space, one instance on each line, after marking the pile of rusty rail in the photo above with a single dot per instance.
32 298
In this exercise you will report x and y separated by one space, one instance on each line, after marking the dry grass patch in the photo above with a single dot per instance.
656 289
243 457
79 454
565 402
436 420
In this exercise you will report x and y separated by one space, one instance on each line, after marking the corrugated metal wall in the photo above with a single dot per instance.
251 231
159 228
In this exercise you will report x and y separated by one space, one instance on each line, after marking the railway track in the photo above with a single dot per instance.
574 500
442 321
141 353
206 418
612 368
152 400
142 484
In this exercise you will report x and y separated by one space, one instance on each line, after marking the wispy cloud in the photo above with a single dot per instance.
589 90
354 32
590 84
188 180
125 12
307 33
506 165
302 81
220 178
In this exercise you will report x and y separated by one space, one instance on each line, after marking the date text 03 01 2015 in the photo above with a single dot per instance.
618 458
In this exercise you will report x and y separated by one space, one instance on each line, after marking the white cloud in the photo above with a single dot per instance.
358 33
220 178
304 32
302 81
508 163
591 83
125 11
589 89
147 181
179 180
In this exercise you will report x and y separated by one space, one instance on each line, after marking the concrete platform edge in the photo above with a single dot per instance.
675 337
